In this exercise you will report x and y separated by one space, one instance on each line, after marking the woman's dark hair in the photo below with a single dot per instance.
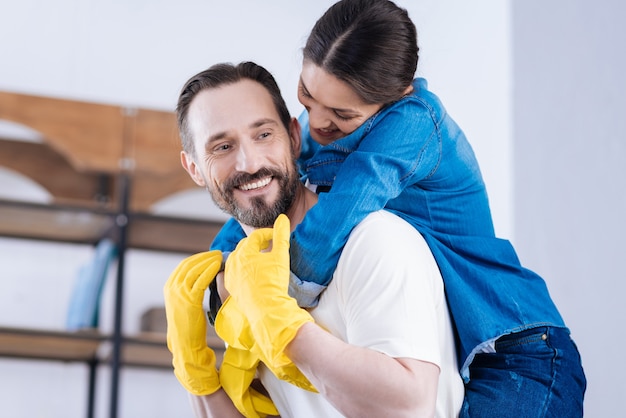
219 75
369 44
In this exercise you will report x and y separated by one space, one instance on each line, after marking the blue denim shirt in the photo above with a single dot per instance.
412 159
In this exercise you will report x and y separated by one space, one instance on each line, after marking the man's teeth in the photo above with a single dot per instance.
256 185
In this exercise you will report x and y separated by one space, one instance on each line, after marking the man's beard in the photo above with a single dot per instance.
259 214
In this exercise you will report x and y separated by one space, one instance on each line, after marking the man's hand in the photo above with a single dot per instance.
236 375
257 278
193 360
233 327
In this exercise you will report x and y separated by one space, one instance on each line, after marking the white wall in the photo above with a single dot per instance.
139 53
570 174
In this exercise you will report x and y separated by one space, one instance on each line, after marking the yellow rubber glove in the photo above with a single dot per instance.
233 327
236 375
258 280
193 360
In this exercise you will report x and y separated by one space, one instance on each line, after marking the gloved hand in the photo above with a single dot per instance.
233 327
236 374
258 280
193 360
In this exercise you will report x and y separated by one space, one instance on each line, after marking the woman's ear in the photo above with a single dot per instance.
191 167
295 133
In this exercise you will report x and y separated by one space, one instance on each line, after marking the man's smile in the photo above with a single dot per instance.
255 184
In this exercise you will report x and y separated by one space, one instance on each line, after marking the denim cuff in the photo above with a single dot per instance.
306 293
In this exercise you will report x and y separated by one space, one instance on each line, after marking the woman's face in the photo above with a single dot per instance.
335 110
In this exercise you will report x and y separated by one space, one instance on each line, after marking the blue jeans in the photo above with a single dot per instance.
534 373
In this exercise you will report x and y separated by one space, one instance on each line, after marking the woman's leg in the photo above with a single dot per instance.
534 373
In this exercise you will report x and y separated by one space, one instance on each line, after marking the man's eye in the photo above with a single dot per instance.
264 135
222 148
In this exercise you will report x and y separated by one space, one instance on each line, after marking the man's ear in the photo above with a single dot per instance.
191 167
295 134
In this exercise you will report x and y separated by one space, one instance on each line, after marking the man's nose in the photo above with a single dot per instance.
249 159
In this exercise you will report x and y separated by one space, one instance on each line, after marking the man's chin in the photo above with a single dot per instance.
257 213
257 219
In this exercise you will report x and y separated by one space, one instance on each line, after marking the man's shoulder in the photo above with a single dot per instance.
385 225
386 237
385 255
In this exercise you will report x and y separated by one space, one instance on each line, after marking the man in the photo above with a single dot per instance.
380 341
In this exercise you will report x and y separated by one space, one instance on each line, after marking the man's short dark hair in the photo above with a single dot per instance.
219 75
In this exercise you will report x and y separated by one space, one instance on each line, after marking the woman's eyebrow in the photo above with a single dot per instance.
304 87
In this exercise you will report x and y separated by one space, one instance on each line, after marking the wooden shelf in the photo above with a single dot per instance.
86 225
46 167
150 350
90 136
95 136
49 345
146 350
66 184
162 233
53 222
105 167
85 145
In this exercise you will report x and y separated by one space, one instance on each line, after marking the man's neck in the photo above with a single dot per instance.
302 202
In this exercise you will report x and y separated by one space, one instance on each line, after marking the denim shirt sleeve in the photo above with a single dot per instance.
398 147
229 236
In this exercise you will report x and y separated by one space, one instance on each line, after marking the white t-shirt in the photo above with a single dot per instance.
386 294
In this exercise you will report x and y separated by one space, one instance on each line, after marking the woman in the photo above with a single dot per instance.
382 140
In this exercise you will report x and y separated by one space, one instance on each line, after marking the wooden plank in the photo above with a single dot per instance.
147 350
150 350
155 146
89 135
52 222
88 225
171 234
49 169
49 345
96 137
148 189
157 175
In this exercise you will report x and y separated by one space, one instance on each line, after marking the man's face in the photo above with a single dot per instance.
244 154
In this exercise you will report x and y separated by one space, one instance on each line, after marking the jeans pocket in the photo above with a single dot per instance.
522 341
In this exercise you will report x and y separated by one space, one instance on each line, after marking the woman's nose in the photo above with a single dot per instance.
318 118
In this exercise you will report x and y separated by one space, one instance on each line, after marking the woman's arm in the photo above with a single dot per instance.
396 151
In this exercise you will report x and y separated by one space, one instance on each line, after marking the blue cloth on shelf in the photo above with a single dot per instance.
84 306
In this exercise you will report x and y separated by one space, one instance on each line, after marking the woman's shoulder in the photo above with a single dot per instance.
420 103
422 96
419 108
